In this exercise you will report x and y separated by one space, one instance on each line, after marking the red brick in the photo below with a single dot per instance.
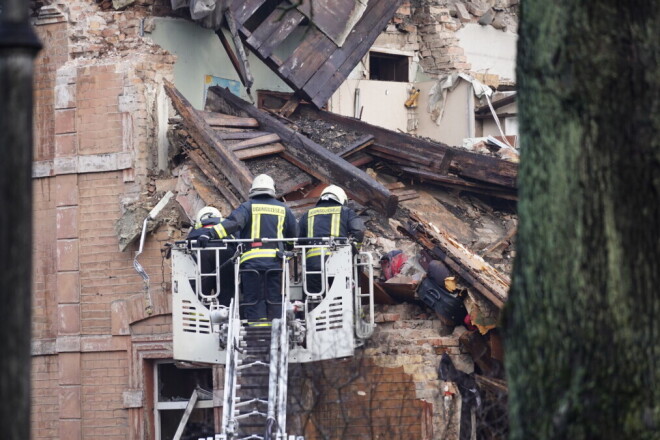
70 429
69 401
66 190
69 319
67 255
69 368
65 144
65 121
67 222
68 287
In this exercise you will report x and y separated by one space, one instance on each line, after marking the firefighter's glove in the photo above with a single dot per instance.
203 240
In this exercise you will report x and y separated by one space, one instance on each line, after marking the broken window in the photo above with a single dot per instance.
173 390
388 67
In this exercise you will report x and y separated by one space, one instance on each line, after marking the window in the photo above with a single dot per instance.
174 387
388 67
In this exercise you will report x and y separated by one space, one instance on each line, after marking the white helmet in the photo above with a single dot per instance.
207 212
262 184
333 192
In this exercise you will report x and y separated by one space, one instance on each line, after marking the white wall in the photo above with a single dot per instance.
457 119
382 102
200 53
489 50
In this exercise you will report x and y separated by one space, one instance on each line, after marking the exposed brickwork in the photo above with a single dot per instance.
45 397
52 56
98 118
104 378
44 298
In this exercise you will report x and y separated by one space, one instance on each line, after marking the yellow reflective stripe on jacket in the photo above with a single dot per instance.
220 230
258 210
258 253
316 252
335 221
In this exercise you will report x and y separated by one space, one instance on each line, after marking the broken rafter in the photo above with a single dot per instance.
220 120
356 146
256 142
210 173
266 150
473 269
223 158
224 135
440 158
309 156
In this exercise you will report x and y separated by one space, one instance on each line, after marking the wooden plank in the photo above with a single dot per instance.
238 67
405 156
239 135
186 415
466 164
220 120
224 159
459 183
356 146
256 142
302 202
274 30
243 62
395 185
327 79
307 58
290 106
266 150
244 9
212 174
360 159
472 268
331 16
311 157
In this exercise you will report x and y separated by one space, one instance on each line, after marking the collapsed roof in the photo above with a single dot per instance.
334 36
232 141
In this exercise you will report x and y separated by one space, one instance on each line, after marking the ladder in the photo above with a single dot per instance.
256 371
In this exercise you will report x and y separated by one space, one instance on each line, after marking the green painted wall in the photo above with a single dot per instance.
200 53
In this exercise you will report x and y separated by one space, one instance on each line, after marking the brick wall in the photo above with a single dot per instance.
98 120
104 378
45 403
105 273
53 35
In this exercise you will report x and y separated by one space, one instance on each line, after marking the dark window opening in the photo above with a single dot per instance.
387 67
174 387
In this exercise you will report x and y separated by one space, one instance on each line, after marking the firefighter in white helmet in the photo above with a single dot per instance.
205 220
329 218
263 216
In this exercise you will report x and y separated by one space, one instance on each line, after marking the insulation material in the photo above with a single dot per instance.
438 93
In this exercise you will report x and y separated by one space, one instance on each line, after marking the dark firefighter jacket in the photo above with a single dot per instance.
259 217
208 263
330 219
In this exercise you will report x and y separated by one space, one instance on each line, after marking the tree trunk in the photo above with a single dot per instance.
17 49
583 318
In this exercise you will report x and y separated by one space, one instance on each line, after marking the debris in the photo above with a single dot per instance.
223 158
309 156
470 267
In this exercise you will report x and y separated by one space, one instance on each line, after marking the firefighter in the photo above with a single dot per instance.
207 218
262 216
329 218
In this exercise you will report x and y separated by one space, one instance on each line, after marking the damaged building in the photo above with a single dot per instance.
148 110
